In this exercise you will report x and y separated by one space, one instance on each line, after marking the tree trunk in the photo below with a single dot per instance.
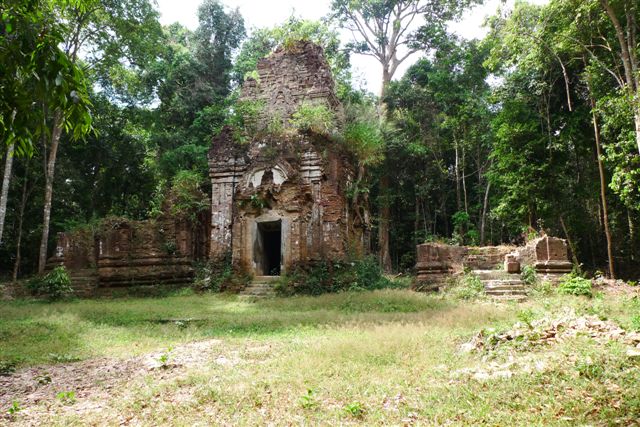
5 187
603 195
23 206
464 182
636 119
627 42
632 234
574 257
48 191
385 211
457 172
483 217
416 221
383 227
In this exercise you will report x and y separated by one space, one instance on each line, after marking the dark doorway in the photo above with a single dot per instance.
271 238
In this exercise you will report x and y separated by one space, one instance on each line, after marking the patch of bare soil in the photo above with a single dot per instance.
88 385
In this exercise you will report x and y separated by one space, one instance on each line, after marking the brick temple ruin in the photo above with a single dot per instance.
278 200
498 267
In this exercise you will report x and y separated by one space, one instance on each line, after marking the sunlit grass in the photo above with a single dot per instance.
384 357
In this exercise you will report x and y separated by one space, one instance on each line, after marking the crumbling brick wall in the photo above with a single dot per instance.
293 180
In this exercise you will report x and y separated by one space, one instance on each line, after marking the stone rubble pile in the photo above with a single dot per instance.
550 331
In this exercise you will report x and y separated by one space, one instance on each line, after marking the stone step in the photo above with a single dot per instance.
495 275
505 292
503 283
265 279
500 285
509 298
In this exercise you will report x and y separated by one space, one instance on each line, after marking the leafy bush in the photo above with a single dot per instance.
365 140
325 276
53 286
213 276
572 284
317 118
528 275
468 286
186 196
543 287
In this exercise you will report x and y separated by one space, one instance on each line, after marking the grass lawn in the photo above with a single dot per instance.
373 358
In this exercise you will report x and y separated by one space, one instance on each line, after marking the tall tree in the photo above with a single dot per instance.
112 35
624 16
38 77
195 75
387 30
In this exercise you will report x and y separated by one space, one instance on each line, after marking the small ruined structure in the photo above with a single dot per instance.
280 199
123 253
498 267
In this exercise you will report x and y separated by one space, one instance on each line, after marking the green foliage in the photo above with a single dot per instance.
38 76
355 409
543 287
635 322
528 275
186 196
244 117
325 276
213 276
164 358
54 285
67 397
7 367
14 408
364 128
63 358
316 118
308 400
589 369
572 284
527 317
467 287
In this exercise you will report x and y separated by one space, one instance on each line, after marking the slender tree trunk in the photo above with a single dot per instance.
457 173
383 227
485 207
416 221
5 187
632 234
603 194
385 211
23 206
574 257
464 182
48 191
636 119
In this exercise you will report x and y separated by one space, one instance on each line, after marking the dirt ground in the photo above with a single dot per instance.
41 389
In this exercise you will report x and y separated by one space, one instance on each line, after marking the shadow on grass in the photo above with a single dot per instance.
31 330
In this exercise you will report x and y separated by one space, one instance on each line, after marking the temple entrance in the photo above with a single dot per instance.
269 249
